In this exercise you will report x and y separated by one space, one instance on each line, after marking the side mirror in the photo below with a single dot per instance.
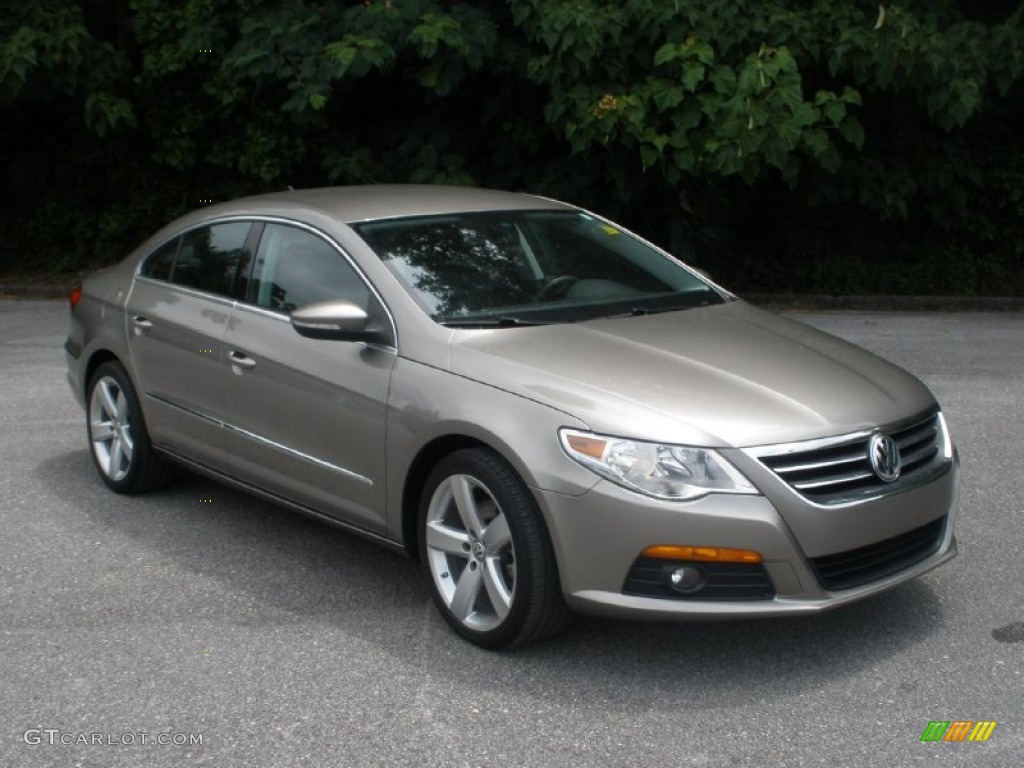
339 320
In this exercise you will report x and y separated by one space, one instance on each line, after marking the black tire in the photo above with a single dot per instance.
508 567
118 439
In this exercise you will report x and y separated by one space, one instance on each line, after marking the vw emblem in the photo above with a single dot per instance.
884 455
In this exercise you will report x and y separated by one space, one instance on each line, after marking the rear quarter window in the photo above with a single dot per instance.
208 257
159 263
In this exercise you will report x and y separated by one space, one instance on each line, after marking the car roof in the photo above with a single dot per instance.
384 201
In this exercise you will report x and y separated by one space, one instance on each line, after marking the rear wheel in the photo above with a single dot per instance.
117 434
486 553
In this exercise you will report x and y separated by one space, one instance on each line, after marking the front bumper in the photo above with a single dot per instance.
598 536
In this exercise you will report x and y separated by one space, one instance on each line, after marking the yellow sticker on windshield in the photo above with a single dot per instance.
610 229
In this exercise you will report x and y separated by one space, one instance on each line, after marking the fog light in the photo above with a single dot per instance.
686 579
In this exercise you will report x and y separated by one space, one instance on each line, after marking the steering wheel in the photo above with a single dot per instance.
554 284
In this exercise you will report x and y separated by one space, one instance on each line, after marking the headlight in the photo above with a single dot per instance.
675 472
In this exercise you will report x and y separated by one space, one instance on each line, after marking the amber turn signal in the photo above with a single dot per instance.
703 554
588 446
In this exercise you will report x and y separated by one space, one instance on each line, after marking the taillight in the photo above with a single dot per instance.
76 295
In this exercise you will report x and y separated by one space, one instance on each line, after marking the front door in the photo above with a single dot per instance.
305 417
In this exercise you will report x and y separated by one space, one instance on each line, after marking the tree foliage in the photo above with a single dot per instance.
714 126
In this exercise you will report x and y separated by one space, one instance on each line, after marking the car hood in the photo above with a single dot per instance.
727 375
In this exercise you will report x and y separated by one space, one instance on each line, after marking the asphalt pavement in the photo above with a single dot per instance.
198 614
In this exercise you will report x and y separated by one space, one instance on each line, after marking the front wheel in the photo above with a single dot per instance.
487 554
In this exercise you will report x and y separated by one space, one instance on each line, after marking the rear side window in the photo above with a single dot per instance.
209 257
294 267
158 265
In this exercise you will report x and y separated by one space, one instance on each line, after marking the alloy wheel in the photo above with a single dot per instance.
110 428
470 552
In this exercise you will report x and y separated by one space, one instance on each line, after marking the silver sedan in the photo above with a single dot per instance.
549 412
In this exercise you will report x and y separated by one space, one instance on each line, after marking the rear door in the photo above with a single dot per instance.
306 417
178 312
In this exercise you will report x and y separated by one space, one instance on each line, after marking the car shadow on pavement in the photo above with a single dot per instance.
272 566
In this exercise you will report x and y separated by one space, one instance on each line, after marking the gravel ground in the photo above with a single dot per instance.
279 641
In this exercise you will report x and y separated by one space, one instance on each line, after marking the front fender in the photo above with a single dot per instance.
427 404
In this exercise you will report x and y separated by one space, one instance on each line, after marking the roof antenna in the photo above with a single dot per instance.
291 188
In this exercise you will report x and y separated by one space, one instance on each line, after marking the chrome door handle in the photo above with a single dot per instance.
241 360
142 323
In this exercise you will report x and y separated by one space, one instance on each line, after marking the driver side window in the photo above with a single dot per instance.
294 267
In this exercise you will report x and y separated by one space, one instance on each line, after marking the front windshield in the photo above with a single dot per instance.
525 267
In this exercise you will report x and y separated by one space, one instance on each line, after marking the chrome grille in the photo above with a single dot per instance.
838 470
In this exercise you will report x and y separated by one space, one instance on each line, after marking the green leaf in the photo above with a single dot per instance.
698 49
852 131
823 97
789 131
434 29
356 56
818 142
776 152
830 159
667 97
690 116
666 53
852 96
835 111
806 115
648 155
693 74
104 111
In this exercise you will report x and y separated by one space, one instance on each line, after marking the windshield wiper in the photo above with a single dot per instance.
657 310
500 321
638 311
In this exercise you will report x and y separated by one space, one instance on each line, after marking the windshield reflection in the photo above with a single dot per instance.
530 267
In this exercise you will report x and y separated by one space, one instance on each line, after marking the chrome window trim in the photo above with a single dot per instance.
264 440
185 230
267 313
189 291
274 220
